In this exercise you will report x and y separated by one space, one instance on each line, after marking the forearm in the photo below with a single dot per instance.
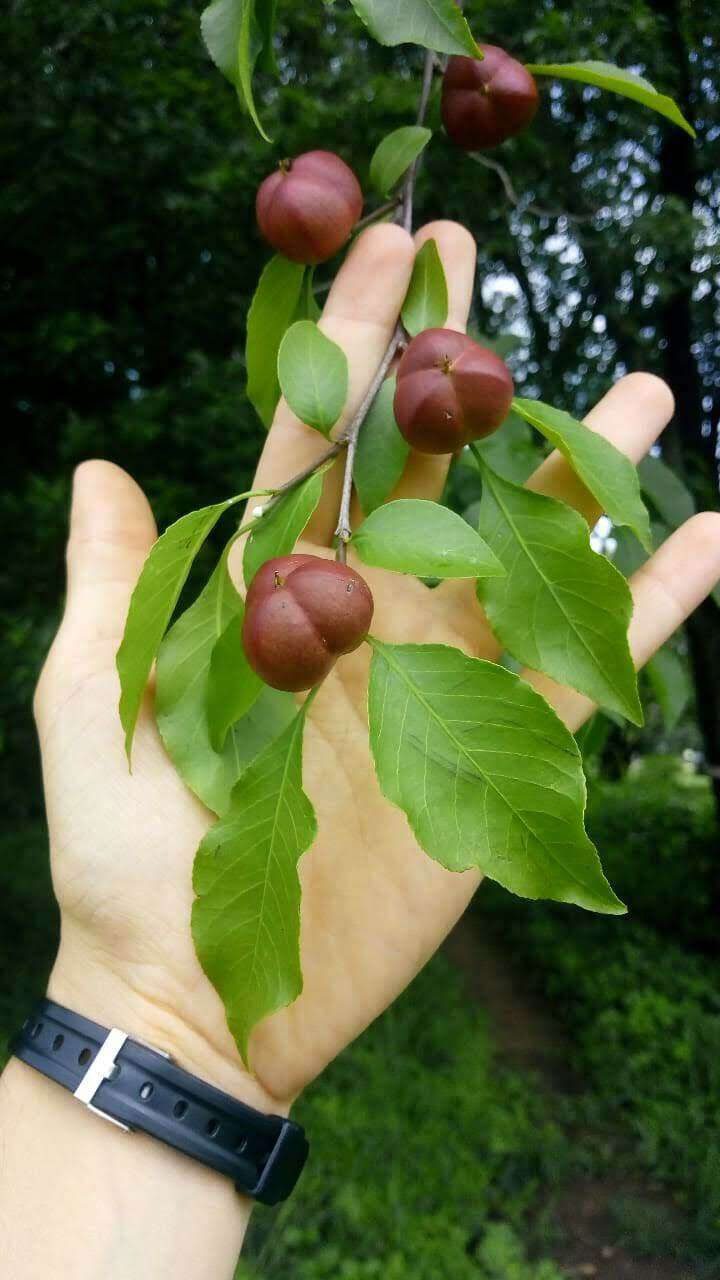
80 1198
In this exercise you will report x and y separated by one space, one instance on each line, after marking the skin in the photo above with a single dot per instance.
374 906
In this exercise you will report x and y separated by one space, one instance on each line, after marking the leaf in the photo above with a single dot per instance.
153 601
307 307
671 498
671 684
381 451
426 539
266 14
426 302
279 530
486 773
562 609
606 76
510 451
433 24
313 375
603 469
593 735
394 155
628 555
503 344
272 310
183 669
232 686
234 39
246 915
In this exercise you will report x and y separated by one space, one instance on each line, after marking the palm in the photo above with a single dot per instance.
374 906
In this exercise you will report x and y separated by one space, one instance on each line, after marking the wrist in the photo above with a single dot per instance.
93 987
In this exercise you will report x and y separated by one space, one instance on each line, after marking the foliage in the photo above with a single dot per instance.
644 1014
378 1108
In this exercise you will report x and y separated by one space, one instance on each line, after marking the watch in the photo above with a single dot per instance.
138 1087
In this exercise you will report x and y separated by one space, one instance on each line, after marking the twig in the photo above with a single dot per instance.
376 214
517 200
408 195
343 531
350 436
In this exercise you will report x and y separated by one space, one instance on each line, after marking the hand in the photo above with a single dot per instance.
374 906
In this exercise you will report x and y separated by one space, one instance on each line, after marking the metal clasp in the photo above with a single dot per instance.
103 1067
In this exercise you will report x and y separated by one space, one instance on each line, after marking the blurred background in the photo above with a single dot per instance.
544 1102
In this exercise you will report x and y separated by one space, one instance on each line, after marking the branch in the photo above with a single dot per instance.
406 209
517 200
376 214
405 219
350 437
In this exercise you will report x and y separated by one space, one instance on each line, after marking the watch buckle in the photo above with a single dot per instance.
102 1067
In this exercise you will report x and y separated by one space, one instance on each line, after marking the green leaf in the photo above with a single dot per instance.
266 14
272 311
307 307
606 76
232 687
510 451
603 469
234 39
426 539
503 344
434 24
279 530
593 735
313 375
394 155
246 915
628 555
183 669
426 303
153 601
671 498
671 684
562 609
381 451
486 773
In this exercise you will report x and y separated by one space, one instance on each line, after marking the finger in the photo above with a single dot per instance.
360 316
631 416
425 474
111 532
665 591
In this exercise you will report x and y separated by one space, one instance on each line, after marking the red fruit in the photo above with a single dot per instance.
483 103
301 613
450 391
309 206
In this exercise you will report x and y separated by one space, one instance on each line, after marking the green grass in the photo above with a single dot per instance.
427 1158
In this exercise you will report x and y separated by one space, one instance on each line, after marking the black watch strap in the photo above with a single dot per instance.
139 1087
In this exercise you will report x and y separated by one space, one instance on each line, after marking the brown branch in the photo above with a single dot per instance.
517 200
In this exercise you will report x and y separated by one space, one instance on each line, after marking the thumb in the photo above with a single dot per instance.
111 531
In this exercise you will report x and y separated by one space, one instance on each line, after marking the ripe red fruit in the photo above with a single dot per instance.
309 206
301 613
485 102
449 391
